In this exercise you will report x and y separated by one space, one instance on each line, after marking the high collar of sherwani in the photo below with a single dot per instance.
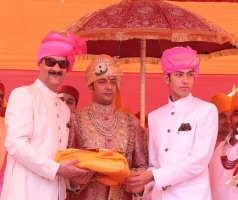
181 102
45 89
102 109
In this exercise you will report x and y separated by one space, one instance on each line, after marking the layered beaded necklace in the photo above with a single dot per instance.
105 130
227 164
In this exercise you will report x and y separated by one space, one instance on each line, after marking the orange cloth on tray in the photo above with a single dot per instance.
107 162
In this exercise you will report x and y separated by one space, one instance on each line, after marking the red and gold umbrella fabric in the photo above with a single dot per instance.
117 29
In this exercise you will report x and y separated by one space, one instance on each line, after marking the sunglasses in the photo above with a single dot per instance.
51 62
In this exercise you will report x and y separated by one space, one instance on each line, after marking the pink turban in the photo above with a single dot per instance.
180 58
55 44
2 87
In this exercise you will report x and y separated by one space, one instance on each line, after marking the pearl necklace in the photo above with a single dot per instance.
105 130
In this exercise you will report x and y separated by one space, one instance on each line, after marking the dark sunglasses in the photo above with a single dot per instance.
51 62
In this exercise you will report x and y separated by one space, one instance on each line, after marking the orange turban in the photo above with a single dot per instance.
222 102
103 66
109 163
234 103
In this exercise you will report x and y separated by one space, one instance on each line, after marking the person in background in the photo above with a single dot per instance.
36 121
182 136
69 95
225 158
2 137
223 104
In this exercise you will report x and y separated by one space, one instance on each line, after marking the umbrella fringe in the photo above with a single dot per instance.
155 61
179 36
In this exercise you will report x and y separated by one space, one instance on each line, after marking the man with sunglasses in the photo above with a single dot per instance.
36 121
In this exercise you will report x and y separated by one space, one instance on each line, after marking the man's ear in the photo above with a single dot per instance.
166 78
90 88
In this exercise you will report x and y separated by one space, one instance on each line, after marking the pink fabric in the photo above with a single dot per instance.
55 44
180 58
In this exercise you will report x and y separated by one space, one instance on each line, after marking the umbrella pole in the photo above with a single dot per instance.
142 80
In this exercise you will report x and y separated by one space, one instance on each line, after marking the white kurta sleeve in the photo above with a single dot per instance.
20 129
198 159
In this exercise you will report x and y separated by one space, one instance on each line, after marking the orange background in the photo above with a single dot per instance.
24 23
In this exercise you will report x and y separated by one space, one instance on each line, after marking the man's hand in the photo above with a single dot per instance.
137 180
82 179
68 170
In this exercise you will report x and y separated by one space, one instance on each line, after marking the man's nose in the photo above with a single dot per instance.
109 85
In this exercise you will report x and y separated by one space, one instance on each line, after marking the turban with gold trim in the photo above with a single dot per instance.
103 66
234 103
222 102
55 44
109 163
180 58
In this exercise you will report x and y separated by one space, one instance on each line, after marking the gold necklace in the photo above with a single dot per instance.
105 130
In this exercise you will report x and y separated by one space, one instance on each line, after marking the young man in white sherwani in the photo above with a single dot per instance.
224 159
182 136
36 121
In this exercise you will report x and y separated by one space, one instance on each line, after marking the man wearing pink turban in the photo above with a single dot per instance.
36 121
182 136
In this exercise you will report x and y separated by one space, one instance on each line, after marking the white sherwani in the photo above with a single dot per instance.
36 128
219 175
179 159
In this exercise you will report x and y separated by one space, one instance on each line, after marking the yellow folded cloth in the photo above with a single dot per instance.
109 163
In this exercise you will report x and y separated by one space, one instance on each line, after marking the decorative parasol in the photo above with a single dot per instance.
140 30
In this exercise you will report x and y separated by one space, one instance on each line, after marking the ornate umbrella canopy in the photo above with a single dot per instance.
117 29
140 30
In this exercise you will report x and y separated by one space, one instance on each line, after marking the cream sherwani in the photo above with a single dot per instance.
36 128
179 159
219 175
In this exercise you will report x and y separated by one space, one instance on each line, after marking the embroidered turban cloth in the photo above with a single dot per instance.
69 90
2 87
55 44
234 103
109 163
180 58
103 66
222 102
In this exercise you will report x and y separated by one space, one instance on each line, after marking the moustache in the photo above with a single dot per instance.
55 73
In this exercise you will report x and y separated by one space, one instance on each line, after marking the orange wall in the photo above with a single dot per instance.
25 22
